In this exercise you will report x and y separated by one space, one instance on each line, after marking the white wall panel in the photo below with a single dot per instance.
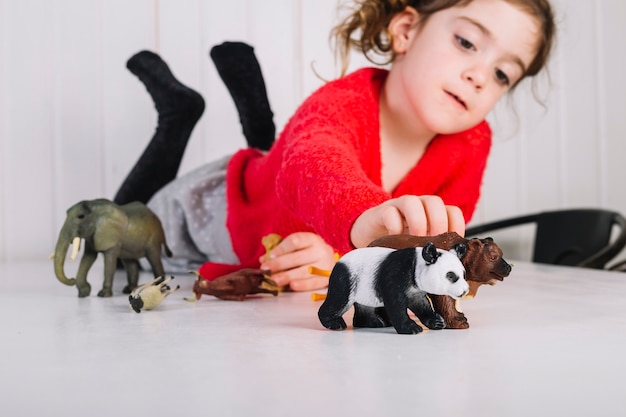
318 18
3 112
3 150
77 104
612 68
28 127
578 85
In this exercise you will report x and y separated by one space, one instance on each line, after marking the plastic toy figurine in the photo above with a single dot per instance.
269 242
377 277
128 232
235 286
148 296
483 264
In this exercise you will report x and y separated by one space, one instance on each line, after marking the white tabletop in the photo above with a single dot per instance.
546 342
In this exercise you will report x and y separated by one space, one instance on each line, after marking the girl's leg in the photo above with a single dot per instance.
179 108
239 69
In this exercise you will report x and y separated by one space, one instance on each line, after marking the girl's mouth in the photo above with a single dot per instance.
457 99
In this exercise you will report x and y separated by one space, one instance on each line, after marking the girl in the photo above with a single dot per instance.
372 153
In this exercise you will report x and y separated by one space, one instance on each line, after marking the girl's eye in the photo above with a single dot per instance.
502 77
464 43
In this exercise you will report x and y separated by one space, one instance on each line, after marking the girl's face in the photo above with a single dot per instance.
451 70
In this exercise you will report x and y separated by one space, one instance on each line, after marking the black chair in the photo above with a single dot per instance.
578 237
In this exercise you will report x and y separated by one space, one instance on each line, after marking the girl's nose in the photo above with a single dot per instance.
475 75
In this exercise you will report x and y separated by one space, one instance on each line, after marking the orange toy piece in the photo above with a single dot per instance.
316 296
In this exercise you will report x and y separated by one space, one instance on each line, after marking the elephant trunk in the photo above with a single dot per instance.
59 257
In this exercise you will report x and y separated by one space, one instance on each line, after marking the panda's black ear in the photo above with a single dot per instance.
430 253
460 249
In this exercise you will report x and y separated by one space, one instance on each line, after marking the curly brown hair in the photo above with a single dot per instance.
365 28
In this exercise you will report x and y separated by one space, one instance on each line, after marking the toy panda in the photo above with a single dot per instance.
396 279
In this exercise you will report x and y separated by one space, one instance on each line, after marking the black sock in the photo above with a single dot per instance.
179 109
239 69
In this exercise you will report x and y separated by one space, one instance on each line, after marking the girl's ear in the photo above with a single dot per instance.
401 29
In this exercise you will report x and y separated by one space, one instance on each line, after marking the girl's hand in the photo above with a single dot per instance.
415 215
290 261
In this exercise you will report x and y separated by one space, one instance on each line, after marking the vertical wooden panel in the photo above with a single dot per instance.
613 84
77 98
580 81
501 187
317 59
28 51
3 133
601 107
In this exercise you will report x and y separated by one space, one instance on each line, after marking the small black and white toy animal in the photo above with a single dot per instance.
148 296
396 279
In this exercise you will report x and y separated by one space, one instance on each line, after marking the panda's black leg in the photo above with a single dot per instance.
396 304
401 320
395 276
371 317
420 305
337 300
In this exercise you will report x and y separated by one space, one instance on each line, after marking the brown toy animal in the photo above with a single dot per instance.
483 264
234 286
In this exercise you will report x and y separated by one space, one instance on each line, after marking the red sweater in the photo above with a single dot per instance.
325 170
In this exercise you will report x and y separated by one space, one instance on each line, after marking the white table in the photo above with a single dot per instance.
546 342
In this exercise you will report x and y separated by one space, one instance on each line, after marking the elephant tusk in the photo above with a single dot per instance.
75 248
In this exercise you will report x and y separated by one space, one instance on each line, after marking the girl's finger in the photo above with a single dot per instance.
291 243
414 214
284 277
436 215
456 220
309 284
392 220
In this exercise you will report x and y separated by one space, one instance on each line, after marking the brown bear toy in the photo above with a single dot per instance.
483 264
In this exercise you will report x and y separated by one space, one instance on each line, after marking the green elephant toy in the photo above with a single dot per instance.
127 232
